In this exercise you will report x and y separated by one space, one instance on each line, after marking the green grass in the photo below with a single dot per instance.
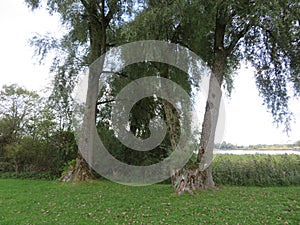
103 202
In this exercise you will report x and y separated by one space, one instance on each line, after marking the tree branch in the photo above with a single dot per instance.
90 10
234 42
106 101
108 18
86 5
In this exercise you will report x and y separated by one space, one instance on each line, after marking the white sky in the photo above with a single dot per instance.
18 24
246 121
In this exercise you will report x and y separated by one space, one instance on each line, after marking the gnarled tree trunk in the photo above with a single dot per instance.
82 170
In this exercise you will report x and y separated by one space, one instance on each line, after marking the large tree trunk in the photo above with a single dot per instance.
205 153
201 176
188 180
97 34
82 170
172 122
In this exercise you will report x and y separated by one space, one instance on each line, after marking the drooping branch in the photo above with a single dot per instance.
85 4
236 39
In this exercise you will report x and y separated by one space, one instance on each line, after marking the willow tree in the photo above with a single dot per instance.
158 22
89 31
264 33
224 33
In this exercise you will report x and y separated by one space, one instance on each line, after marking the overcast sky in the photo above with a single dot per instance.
246 120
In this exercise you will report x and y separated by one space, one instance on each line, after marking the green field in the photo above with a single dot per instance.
103 202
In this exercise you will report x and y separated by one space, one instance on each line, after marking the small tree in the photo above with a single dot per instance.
17 107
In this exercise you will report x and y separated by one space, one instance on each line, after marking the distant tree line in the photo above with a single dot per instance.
228 146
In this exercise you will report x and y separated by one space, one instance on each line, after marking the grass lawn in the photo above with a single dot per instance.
103 202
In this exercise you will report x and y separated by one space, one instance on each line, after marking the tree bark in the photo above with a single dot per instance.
205 153
172 123
97 33
201 176
189 180
82 170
